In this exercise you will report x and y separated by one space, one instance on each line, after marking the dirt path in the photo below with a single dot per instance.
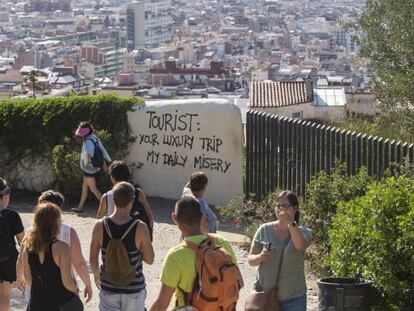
166 235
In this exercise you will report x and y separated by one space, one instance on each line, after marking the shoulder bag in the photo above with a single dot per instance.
260 300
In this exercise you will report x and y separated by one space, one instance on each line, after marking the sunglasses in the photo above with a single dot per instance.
6 190
279 206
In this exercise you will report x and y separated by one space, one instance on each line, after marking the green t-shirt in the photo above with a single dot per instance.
179 271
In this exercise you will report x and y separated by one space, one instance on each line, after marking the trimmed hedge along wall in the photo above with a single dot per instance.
39 128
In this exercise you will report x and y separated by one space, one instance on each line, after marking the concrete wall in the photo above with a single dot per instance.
308 111
177 137
34 174
174 138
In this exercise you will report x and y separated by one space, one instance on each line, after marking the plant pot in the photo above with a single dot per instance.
344 294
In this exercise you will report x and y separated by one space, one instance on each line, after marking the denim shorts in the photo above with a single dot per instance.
293 304
122 302
86 174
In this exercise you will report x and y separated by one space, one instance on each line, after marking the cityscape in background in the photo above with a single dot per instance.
253 53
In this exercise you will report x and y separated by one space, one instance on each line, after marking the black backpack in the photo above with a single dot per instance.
98 158
6 248
138 211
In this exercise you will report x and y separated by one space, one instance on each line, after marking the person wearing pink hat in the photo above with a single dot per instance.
90 143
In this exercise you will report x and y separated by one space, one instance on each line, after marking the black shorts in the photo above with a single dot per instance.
8 269
85 174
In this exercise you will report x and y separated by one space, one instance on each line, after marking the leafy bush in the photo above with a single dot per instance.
324 193
249 213
373 237
31 128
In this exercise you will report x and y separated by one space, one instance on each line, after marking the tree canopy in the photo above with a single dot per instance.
385 31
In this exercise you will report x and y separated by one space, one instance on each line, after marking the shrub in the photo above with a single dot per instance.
373 237
31 128
249 213
66 158
264 211
324 193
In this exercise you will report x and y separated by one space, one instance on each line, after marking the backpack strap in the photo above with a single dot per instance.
106 226
208 240
108 230
129 228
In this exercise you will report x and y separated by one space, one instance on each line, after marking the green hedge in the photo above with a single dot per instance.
31 128
373 237
324 194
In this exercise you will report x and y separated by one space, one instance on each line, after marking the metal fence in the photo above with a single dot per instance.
285 153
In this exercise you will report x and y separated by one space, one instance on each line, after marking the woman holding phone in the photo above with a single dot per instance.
279 246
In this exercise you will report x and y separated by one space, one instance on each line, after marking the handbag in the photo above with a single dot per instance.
75 304
260 300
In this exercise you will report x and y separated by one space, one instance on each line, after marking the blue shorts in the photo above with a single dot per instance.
86 174
293 304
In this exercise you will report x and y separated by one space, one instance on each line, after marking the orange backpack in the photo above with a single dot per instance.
218 280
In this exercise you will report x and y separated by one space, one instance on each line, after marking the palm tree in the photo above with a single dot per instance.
32 77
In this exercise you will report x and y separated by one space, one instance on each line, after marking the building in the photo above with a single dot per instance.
215 76
148 23
49 5
106 58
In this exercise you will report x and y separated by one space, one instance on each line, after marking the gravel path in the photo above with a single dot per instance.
166 235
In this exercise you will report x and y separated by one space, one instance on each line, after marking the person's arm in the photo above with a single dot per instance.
258 253
143 200
204 223
204 217
63 254
89 151
79 263
20 282
26 267
143 243
255 259
103 207
163 300
298 238
95 246
20 237
296 234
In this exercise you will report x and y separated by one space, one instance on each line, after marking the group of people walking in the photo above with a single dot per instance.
201 271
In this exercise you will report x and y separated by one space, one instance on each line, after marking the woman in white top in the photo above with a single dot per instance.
68 235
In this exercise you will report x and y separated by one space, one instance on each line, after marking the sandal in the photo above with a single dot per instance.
77 210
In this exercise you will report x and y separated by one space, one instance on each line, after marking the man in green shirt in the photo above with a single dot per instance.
179 270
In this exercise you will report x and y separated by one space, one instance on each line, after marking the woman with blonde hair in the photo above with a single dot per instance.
68 235
47 265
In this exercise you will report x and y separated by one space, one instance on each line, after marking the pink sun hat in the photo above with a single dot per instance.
82 131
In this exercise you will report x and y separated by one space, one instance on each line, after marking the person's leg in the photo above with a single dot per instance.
134 302
109 301
92 185
84 195
5 294
293 304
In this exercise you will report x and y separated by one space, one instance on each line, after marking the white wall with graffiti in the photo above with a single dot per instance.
175 138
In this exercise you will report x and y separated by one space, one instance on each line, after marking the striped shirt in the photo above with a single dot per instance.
134 255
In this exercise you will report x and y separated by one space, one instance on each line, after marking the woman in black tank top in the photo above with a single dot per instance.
48 291
46 262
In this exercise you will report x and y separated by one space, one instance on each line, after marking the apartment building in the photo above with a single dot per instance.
148 23
106 58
